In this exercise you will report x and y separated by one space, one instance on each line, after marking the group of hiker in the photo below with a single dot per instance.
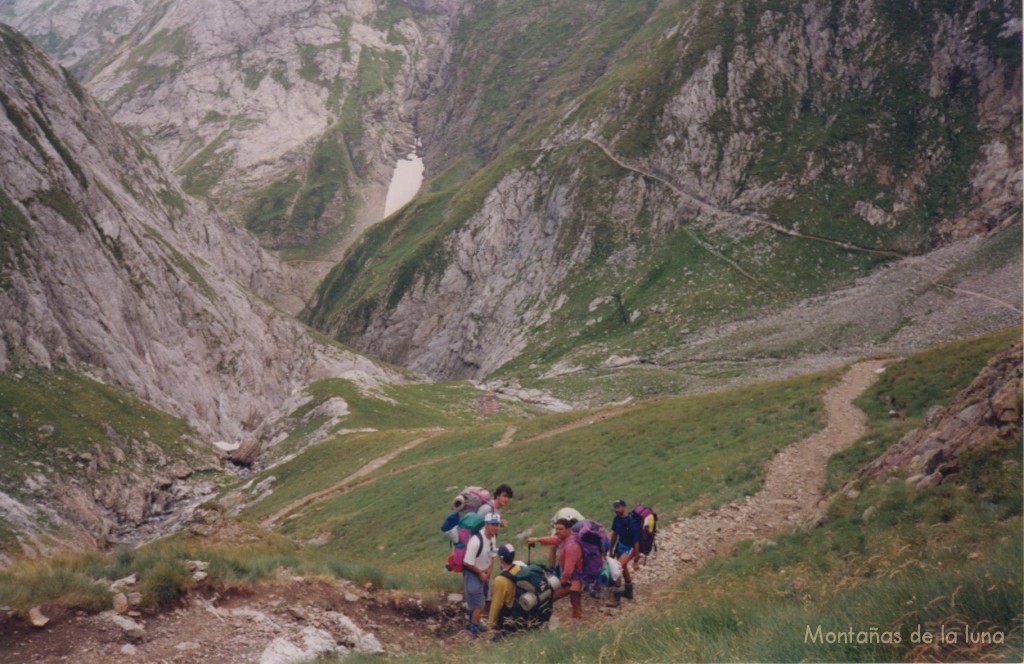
582 558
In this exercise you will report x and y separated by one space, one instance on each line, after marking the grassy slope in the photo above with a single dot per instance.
940 558
685 456
49 419
888 559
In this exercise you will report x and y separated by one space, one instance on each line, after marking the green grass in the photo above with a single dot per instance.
889 560
50 417
14 231
203 171
691 452
176 43
903 395
268 212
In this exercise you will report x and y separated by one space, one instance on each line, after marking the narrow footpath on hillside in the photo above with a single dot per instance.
280 620
790 496
718 213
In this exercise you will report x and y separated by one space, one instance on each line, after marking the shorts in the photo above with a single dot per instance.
476 590
621 549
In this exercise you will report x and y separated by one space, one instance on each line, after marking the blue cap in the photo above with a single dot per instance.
507 552
493 519
619 503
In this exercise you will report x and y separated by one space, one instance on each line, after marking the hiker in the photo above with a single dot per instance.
500 498
625 545
570 561
476 570
503 591
568 513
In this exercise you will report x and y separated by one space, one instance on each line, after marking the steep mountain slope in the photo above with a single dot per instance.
288 115
733 162
107 266
78 33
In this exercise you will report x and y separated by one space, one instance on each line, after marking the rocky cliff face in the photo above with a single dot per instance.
734 160
78 33
107 266
289 115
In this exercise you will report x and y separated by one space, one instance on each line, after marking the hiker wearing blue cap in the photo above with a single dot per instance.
625 544
476 570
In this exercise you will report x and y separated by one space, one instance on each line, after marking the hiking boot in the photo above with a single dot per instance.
628 591
615 599
473 628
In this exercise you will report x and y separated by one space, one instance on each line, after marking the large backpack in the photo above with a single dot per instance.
535 587
647 520
471 499
594 542
467 501
468 526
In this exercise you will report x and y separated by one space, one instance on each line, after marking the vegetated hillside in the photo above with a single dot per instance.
107 265
893 555
733 165
289 116
87 465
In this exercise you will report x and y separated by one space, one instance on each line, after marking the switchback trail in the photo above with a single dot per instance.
790 495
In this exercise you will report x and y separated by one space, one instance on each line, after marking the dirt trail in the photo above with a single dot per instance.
345 485
244 625
716 212
790 495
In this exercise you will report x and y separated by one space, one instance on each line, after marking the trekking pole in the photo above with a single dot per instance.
529 553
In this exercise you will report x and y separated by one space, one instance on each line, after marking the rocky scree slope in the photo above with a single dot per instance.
108 266
734 159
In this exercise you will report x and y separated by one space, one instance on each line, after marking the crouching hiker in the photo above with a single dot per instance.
522 595
503 591
476 570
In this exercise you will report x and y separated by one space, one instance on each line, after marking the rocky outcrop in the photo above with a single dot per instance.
317 98
505 268
107 265
988 409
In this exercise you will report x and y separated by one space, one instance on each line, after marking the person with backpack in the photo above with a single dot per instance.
500 498
570 561
625 545
476 570
503 590
567 514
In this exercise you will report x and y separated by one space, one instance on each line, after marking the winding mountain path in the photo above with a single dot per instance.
719 213
342 487
790 495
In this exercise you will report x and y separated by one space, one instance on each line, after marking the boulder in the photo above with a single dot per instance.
36 617
131 629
